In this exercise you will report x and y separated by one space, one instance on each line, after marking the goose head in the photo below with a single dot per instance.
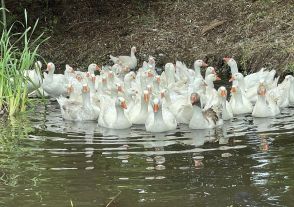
110 75
50 68
169 67
130 76
230 61
38 65
164 93
156 105
149 89
92 67
210 70
222 92
235 90
195 100
261 90
199 63
211 78
133 50
237 76
85 88
151 61
157 78
232 64
146 96
289 78
69 88
69 69
121 103
149 73
93 78
79 77
119 87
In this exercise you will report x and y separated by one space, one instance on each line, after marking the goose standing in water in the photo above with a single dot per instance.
265 105
113 115
226 108
54 84
239 103
206 119
76 111
159 120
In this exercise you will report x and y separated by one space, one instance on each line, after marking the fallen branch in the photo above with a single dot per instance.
212 25
113 198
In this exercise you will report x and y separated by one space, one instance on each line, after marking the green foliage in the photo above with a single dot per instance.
18 54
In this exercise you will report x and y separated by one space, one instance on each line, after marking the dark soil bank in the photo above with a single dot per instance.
258 33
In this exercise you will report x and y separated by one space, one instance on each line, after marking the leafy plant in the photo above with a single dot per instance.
18 54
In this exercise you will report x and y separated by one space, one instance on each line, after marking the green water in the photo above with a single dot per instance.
48 162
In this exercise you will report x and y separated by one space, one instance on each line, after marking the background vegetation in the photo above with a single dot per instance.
257 33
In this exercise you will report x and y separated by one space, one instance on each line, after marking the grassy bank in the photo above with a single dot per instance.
18 54
258 33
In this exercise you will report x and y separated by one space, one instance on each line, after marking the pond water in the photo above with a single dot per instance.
46 161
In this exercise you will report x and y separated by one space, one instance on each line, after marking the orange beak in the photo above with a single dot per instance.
231 79
123 105
233 90
226 59
119 88
204 64
155 107
218 78
146 98
193 99
149 75
85 89
262 92
69 89
98 68
223 94
48 67
213 71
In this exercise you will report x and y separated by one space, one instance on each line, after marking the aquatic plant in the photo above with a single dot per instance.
18 54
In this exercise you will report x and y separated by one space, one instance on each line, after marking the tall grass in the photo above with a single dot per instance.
18 54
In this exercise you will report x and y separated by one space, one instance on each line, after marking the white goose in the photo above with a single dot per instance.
206 119
76 111
291 90
226 108
211 93
181 107
54 84
158 121
239 103
34 77
113 115
252 79
197 68
265 105
127 61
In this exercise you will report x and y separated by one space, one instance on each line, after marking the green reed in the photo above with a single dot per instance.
19 51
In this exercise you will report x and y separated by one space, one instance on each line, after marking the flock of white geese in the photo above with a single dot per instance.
119 98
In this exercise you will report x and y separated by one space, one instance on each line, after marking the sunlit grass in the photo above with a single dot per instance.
18 54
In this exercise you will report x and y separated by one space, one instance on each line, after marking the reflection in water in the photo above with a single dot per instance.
249 160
